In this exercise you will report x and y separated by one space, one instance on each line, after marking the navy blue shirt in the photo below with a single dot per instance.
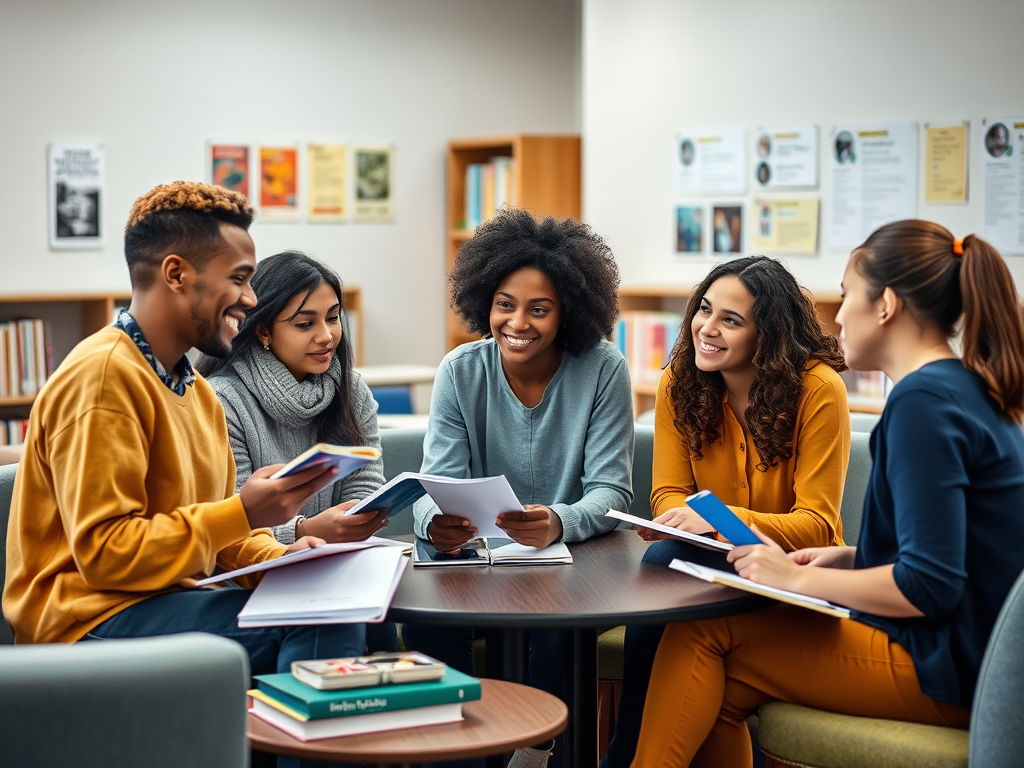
945 505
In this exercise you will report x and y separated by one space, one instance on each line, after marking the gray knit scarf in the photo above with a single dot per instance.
286 400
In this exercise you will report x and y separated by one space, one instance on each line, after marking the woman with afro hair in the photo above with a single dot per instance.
542 399
752 408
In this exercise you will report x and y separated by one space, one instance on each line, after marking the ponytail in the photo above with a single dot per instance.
942 280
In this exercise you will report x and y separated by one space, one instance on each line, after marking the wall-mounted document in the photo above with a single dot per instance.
874 179
945 164
786 158
1002 201
711 163
785 226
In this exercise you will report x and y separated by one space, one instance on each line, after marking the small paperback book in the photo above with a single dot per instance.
721 518
346 458
366 671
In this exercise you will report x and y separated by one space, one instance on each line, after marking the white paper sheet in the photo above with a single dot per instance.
693 538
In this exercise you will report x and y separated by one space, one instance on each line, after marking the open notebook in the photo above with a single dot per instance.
490 552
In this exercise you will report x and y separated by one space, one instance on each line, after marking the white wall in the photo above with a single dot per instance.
652 68
154 81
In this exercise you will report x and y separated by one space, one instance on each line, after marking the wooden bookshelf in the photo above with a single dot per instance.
545 181
672 298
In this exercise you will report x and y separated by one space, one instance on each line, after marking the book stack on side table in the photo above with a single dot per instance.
308 714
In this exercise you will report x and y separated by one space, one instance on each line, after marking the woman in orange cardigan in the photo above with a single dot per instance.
751 408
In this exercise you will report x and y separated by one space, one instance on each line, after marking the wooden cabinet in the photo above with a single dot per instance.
545 181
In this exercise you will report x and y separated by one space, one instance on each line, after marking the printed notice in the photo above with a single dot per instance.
712 163
76 195
326 198
279 183
1002 197
786 158
228 166
786 226
945 157
874 180
374 192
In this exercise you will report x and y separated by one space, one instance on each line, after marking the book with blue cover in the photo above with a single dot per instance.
346 458
721 518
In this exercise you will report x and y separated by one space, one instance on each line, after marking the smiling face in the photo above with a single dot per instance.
525 316
858 320
724 336
307 332
222 292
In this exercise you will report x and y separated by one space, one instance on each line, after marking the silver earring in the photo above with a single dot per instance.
266 345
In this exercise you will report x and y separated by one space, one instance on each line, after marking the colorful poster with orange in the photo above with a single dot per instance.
229 167
279 183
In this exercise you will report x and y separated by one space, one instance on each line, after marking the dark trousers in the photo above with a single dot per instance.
454 646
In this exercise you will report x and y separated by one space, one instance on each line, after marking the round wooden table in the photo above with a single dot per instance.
507 716
605 586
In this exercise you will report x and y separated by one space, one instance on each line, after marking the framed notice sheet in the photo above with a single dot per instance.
786 158
711 163
874 179
326 168
374 183
76 195
279 183
785 225
1002 202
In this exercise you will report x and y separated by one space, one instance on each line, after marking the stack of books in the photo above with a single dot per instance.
26 357
308 713
646 340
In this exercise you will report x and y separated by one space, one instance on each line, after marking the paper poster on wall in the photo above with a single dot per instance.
279 183
374 187
727 228
228 166
945 163
874 179
786 226
1002 202
76 195
326 171
786 158
711 163
689 230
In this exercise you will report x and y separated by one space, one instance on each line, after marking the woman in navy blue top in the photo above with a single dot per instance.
933 564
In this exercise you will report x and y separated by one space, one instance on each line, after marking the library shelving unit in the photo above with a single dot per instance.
545 181
659 298
73 316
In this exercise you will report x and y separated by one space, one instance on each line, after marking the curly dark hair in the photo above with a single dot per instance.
789 340
182 217
574 258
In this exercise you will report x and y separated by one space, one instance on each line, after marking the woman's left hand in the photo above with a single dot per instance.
536 526
306 542
768 564
334 525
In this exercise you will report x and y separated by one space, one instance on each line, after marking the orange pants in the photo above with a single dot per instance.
709 675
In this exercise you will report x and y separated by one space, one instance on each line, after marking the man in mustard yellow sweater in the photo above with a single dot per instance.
125 494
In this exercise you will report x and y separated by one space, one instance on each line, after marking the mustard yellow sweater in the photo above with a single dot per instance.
796 502
125 490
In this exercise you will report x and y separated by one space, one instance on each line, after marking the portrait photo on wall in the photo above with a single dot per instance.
997 140
76 196
845 149
374 181
727 233
689 229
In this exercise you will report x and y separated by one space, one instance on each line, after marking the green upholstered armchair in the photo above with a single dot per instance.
7 472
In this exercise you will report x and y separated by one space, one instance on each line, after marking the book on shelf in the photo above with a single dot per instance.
736 581
646 340
12 431
493 551
348 588
347 458
26 357
489 186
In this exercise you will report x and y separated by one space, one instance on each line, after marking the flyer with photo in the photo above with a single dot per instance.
786 158
1002 202
374 183
711 163
76 195
785 225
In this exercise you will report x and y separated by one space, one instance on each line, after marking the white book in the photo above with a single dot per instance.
297 557
738 582
520 554
693 538
348 588
331 727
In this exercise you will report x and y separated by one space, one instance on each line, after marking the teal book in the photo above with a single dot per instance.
453 688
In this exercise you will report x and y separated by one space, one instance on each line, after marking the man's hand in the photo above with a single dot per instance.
274 502
449 533
682 518
334 525
536 526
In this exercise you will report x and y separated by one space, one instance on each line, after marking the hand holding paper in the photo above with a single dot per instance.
767 564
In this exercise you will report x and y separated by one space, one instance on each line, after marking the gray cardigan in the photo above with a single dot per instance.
257 440
572 452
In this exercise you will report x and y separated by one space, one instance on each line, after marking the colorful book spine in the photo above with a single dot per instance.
454 688
646 340
489 187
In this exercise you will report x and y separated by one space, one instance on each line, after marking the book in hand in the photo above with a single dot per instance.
276 714
347 458
345 589
734 580
721 518
693 538
478 499
367 671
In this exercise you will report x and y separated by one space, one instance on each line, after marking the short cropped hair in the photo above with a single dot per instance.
574 258
184 218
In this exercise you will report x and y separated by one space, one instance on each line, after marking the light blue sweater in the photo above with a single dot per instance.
572 452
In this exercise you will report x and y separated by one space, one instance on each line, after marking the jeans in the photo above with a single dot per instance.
270 649
454 646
